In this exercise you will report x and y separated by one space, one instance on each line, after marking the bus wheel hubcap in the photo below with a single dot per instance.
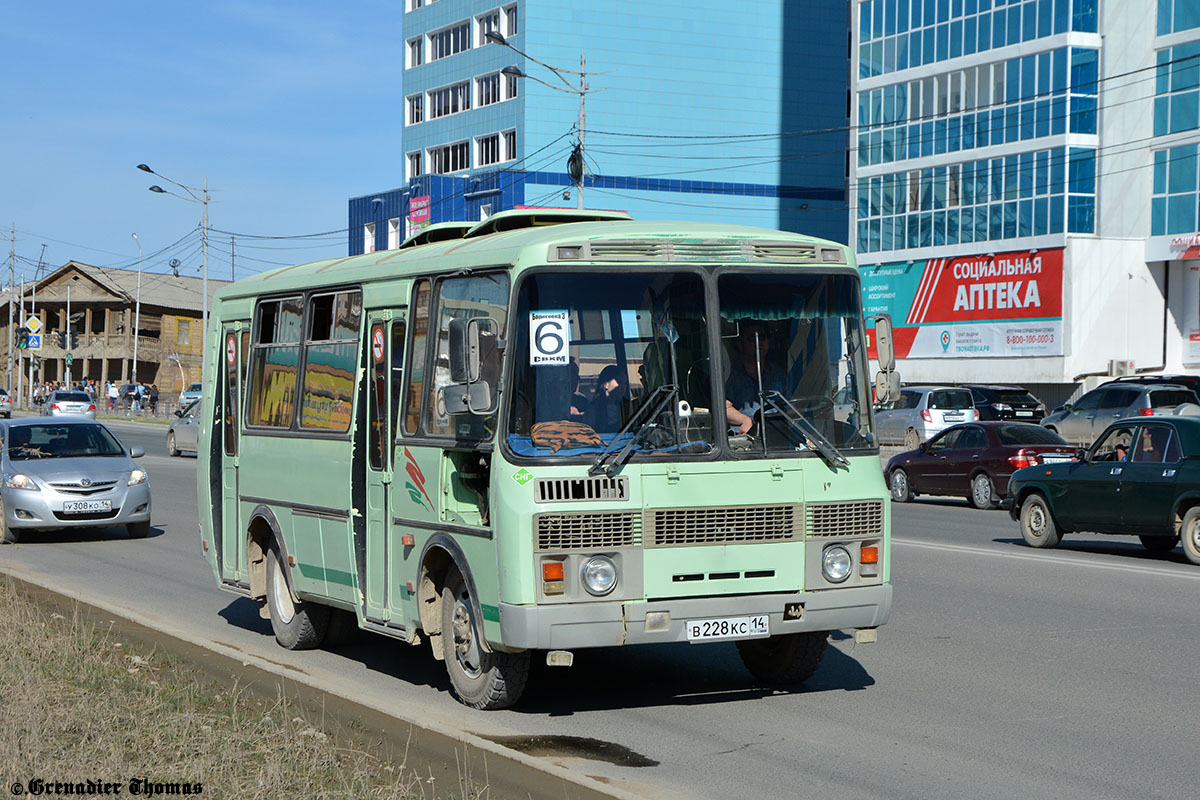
283 600
466 649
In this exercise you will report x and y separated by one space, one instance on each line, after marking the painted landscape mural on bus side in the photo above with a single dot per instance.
989 306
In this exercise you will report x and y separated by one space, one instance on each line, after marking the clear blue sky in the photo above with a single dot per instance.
288 109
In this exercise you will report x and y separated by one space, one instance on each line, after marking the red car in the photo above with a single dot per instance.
974 460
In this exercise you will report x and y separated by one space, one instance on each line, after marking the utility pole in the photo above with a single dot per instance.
20 372
232 258
12 260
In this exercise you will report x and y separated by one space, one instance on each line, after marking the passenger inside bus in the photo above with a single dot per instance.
604 412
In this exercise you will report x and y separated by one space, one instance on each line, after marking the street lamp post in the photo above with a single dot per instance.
137 308
575 163
202 199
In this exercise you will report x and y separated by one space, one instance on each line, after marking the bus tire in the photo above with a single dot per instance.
784 659
483 680
1037 523
297 626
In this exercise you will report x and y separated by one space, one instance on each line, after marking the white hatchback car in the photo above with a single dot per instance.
922 412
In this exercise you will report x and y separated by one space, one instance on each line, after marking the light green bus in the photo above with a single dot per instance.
552 430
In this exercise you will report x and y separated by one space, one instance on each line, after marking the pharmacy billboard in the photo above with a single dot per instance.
1001 305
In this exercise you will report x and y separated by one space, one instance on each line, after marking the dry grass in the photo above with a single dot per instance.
78 703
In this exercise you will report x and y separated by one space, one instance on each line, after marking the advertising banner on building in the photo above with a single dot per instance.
1189 321
983 306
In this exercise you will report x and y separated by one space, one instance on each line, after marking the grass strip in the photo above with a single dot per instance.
79 702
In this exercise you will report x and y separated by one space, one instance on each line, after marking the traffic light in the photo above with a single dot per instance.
74 340
22 338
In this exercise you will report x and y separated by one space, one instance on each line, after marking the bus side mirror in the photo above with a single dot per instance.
887 380
885 351
473 346
464 350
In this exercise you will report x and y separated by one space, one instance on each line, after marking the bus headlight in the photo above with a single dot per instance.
599 575
836 564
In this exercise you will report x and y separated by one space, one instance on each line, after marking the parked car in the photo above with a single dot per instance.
974 461
994 402
192 392
1190 381
920 412
65 402
6 404
69 473
128 394
1141 478
1081 421
184 431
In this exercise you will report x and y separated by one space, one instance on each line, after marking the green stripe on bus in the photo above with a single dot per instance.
328 575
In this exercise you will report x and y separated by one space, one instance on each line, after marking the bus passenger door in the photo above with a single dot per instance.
232 545
385 360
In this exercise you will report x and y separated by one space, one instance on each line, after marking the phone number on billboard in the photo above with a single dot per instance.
1032 338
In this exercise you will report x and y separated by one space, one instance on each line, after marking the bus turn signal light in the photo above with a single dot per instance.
868 561
870 555
552 577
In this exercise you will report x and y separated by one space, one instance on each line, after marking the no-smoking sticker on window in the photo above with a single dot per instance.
377 344
549 337
230 350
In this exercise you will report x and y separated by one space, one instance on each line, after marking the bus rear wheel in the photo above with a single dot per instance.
483 680
785 659
297 626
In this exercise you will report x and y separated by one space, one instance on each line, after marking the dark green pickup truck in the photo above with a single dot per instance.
1140 478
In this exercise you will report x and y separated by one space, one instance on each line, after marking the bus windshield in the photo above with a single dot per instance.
597 352
621 362
795 370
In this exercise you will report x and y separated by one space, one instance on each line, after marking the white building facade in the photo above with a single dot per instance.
1025 187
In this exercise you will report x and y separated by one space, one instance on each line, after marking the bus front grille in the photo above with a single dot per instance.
683 527
588 531
860 518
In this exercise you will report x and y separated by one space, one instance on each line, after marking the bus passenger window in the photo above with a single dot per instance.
274 363
417 357
476 296
397 371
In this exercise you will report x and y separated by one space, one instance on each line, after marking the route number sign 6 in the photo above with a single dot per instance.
549 338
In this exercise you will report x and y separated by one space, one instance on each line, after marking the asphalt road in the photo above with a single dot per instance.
1005 672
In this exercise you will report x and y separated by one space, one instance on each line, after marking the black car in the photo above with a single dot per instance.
1140 478
997 402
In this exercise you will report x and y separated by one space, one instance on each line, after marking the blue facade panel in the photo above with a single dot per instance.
696 109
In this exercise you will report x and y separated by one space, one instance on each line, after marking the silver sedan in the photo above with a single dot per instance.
66 403
69 473
184 432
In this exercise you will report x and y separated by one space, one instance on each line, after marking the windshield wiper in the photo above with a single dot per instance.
656 403
812 437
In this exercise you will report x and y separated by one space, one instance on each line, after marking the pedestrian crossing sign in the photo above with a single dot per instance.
35 341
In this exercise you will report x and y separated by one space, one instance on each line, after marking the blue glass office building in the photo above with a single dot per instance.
695 110
1032 141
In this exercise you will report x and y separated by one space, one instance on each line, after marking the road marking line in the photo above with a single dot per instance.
1050 558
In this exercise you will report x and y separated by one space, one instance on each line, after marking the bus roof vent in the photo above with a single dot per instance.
719 250
538 217
438 232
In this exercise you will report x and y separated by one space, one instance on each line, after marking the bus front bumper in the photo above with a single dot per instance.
579 625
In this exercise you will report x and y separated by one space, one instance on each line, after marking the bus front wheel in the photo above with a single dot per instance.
297 626
785 659
483 680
